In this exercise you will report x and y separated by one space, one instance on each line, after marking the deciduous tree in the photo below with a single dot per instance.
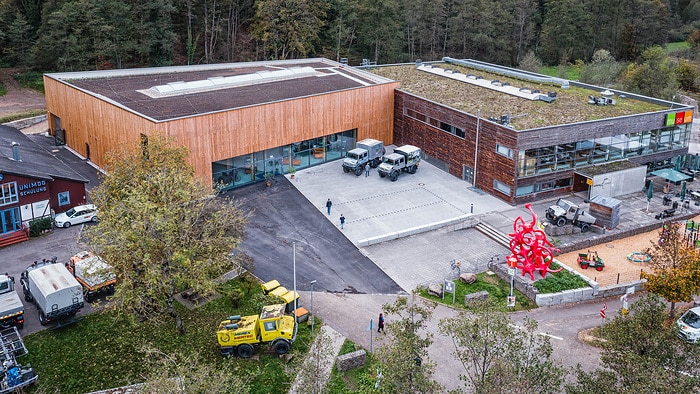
161 229
676 271
642 355
407 366
654 77
497 357
288 29
187 374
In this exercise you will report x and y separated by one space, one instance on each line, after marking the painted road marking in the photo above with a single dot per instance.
544 334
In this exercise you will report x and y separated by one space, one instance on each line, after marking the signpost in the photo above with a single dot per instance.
448 287
602 312
512 264
371 334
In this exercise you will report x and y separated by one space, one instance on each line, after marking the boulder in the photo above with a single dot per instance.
468 278
435 290
479 295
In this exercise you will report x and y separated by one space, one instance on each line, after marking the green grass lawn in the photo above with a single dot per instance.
560 281
570 72
358 380
103 350
677 46
497 288
21 115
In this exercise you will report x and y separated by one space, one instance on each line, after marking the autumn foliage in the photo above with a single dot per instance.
676 266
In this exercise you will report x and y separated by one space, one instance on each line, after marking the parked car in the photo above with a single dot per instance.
689 325
76 215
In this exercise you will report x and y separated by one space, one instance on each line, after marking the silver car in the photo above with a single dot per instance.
689 325
76 215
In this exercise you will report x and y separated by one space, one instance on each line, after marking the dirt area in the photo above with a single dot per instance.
614 255
18 99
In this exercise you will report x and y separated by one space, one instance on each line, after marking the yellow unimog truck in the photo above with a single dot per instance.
238 334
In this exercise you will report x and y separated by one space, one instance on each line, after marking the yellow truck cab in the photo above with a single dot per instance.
238 334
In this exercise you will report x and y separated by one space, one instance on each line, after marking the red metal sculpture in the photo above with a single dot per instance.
530 248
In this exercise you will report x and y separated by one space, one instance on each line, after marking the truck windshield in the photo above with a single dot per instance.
352 155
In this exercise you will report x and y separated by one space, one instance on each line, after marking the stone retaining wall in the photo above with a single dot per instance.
26 122
524 285
609 237
351 360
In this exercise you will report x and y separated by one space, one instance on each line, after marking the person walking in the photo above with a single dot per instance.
329 204
342 221
380 327
367 170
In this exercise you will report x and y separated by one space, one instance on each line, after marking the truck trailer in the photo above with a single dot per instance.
93 273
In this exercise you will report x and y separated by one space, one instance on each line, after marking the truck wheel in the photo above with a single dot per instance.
281 347
346 170
599 268
394 176
358 171
412 169
374 163
549 216
585 227
561 222
584 266
88 297
245 350
381 175
42 318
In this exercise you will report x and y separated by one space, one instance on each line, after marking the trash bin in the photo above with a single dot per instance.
667 200
646 184
675 205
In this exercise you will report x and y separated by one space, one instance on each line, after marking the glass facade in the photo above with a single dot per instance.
600 150
256 166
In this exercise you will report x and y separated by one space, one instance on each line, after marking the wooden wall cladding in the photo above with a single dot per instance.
217 136
456 151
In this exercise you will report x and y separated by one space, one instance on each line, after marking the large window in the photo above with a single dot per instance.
501 187
8 193
249 168
599 150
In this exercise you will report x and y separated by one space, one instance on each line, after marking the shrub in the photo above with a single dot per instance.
36 227
560 281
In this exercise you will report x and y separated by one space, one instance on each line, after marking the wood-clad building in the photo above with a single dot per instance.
518 136
521 139
241 122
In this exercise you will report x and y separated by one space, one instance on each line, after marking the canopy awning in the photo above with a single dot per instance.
671 175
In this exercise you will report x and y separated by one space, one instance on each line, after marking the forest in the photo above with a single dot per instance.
74 35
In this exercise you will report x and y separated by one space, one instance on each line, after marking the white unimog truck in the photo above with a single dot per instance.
405 158
53 289
367 151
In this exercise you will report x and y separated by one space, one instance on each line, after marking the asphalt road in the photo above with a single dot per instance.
281 217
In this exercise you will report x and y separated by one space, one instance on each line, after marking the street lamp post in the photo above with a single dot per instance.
312 307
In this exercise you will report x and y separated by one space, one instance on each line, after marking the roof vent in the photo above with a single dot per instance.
15 151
